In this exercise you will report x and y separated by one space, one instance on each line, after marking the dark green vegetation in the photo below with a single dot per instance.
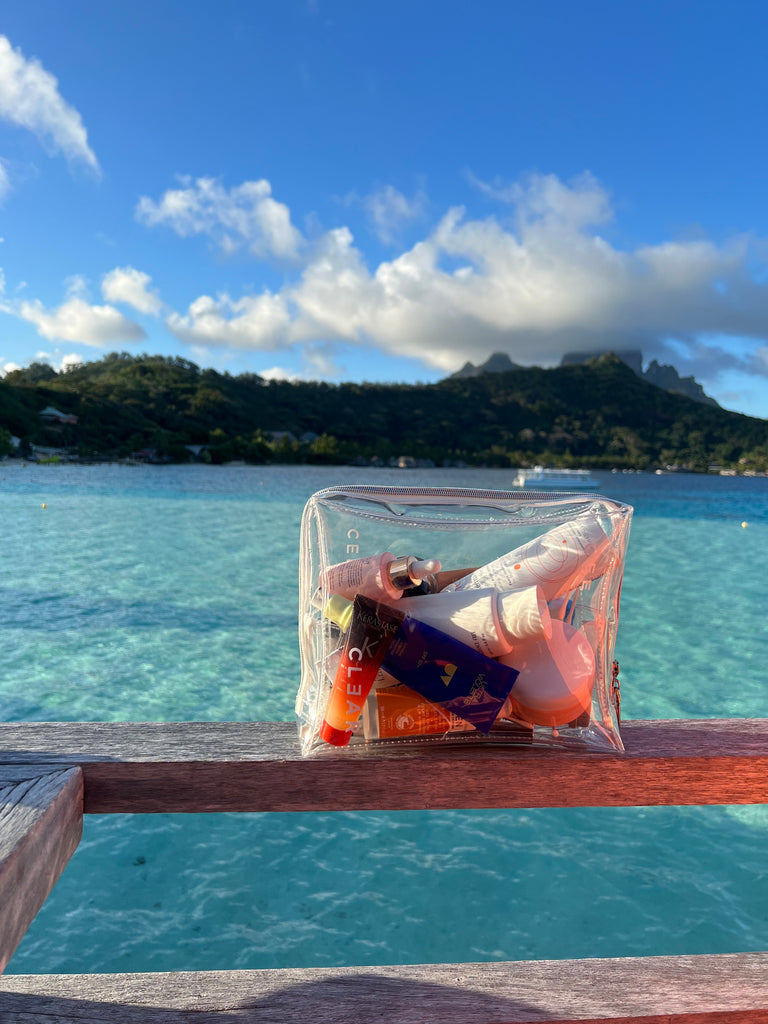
598 414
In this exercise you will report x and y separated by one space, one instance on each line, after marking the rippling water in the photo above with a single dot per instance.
169 593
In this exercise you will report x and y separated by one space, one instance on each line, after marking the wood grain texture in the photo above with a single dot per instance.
242 766
41 819
655 990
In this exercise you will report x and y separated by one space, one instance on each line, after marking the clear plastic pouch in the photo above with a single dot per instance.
434 615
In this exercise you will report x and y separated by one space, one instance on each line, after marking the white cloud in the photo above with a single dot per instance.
75 320
545 197
76 286
30 98
5 183
390 211
131 286
538 283
536 286
498 190
243 216
260 322
8 367
336 298
5 306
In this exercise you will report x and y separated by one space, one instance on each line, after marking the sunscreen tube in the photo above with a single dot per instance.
556 677
486 620
378 576
400 711
370 633
449 673
557 561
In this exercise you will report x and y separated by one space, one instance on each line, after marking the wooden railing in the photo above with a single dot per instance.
52 773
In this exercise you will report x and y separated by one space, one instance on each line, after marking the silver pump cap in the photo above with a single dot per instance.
406 571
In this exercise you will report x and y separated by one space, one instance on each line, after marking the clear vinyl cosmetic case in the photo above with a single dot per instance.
459 616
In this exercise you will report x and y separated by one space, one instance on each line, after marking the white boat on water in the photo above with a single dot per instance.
566 479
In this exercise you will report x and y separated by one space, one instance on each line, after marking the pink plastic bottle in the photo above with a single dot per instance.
381 577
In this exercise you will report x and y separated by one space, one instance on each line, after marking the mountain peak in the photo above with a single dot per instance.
662 376
667 377
499 362
632 357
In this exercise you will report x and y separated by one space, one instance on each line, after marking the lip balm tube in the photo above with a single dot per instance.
339 611
371 630
449 673
556 677
557 561
377 576
486 620
400 711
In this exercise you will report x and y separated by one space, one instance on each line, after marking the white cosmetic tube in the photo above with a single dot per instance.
492 623
557 561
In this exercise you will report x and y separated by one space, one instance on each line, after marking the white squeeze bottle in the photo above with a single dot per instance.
491 622
557 561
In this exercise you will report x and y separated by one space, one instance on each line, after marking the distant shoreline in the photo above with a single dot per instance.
597 416
240 463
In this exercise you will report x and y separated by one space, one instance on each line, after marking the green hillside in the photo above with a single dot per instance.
598 414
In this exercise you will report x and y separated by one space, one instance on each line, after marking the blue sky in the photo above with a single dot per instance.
341 190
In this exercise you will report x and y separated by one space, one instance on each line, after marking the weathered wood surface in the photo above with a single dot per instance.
241 766
656 990
41 820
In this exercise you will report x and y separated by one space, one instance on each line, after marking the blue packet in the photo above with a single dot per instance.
449 673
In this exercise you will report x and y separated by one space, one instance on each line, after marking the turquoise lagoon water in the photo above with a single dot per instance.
169 593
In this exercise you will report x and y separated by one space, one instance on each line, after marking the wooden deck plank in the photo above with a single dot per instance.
241 766
41 819
664 990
